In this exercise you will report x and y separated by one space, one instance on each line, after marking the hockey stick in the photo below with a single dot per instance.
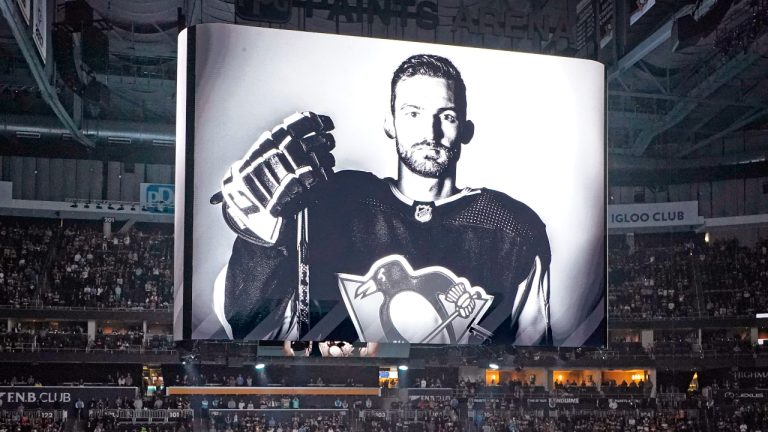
302 294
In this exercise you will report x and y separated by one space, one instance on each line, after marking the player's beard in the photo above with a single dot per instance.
433 161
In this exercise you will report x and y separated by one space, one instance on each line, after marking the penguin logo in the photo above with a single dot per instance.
396 304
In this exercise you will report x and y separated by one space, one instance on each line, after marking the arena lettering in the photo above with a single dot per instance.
429 398
493 19
751 375
563 400
750 396
660 216
32 397
511 23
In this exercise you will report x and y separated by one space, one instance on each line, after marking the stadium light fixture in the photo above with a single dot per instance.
403 367
493 366
260 366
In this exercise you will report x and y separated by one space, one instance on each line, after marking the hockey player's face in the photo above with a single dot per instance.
426 125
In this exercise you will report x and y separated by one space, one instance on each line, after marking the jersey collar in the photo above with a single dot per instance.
461 194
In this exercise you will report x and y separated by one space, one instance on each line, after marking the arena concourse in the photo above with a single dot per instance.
87 294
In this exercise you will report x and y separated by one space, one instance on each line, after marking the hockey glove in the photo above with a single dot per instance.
270 181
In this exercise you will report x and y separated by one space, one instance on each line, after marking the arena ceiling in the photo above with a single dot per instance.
687 80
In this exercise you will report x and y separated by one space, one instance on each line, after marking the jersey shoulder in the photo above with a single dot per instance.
355 179
497 210
357 185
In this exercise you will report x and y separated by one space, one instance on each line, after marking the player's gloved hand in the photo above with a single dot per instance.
273 177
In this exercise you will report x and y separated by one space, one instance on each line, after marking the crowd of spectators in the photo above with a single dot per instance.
141 401
504 421
733 279
24 250
176 426
722 342
443 420
130 270
97 422
684 278
21 380
20 421
651 283
18 374
282 422
468 387
130 338
747 417
40 336
245 377
47 262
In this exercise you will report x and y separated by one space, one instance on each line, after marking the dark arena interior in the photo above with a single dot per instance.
94 321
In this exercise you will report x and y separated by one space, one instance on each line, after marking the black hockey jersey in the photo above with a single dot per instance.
383 268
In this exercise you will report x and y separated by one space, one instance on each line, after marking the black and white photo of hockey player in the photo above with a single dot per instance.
350 256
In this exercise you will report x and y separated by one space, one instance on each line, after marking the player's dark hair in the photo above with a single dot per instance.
432 66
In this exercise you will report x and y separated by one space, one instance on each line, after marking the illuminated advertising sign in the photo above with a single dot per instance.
157 197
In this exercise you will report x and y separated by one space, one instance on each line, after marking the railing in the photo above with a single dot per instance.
143 414
128 206
28 347
43 414
40 305
280 414
635 318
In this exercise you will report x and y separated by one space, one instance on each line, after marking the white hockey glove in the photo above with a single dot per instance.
273 177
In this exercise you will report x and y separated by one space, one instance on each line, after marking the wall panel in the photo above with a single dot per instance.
56 180
114 171
43 179
70 178
29 168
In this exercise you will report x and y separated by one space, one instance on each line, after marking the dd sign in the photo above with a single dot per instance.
157 197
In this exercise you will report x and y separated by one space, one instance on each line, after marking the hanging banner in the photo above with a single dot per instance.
606 21
641 8
25 7
40 32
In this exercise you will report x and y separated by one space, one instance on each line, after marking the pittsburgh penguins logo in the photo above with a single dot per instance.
394 303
